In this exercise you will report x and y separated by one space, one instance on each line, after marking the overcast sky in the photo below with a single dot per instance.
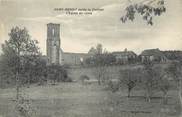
79 33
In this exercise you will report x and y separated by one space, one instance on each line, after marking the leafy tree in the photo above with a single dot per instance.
15 52
34 70
147 9
8 66
99 49
92 51
57 73
100 57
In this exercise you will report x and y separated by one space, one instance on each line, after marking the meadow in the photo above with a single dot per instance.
75 99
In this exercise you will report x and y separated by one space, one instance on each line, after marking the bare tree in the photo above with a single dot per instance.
163 82
149 80
100 73
164 85
175 71
129 78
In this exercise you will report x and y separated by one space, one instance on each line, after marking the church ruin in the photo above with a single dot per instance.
54 53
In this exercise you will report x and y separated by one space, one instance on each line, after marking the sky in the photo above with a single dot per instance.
80 32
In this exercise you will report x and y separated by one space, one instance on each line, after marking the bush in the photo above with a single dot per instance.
24 107
83 78
58 73
113 86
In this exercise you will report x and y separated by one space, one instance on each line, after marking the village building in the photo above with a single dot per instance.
75 58
125 57
173 55
153 55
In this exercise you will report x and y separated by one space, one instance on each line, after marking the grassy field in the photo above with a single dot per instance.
91 100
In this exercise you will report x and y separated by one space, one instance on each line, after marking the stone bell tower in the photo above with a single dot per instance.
53 43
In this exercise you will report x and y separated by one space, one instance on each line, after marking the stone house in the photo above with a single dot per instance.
154 55
74 58
125 57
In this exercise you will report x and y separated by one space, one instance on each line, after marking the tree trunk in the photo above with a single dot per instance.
180 97
17 74
179 92
165 98
99 82
17 86
129 93
148 97
29 80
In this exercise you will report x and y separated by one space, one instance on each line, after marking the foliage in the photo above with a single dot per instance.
83 78
113 86
8 65
22 62
100 57
34 70
103 59
147 11
15 52
18 51
57 73
24 107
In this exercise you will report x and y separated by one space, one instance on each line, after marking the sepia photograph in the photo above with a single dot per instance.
90 58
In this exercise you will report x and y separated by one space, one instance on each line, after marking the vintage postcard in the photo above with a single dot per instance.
90 58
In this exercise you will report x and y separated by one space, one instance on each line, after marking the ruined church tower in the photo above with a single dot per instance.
53 44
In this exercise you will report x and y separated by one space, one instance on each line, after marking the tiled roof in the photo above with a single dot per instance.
150 52
124 53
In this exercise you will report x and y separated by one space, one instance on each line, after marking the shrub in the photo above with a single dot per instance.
24 107
58 73
113 86
83 78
